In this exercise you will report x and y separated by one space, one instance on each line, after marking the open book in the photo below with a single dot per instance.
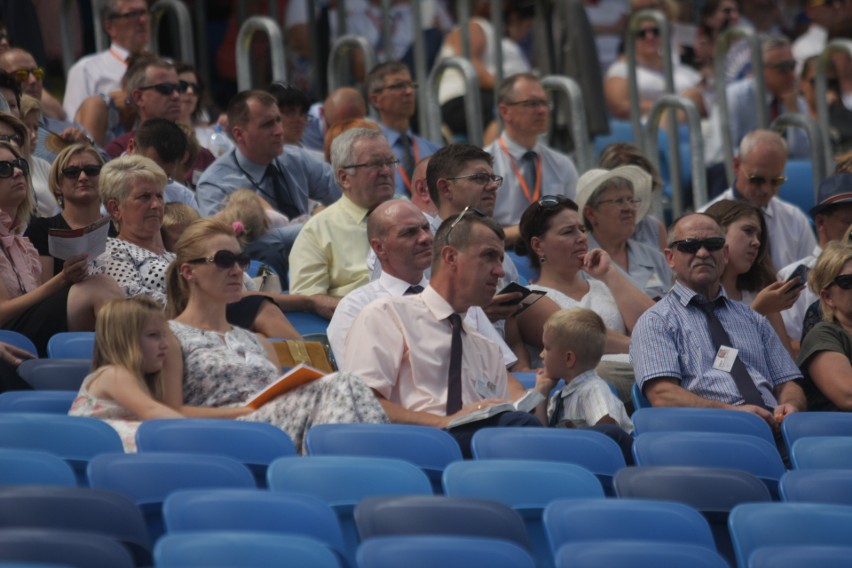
295 377
65 243
526 403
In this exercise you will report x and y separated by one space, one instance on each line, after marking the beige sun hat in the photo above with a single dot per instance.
641 181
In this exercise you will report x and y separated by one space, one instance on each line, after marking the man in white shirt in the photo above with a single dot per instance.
758 174
128 25
401 237
530 169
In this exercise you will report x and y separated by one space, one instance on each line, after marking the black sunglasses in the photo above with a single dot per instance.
844 281
225 259
73 172
692 246
7 168
649 33
168 88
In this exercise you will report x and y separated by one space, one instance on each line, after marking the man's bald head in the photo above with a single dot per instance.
401 238
343 104
384 215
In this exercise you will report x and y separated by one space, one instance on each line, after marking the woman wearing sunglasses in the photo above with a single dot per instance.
73 180
749 276
30 305
827 349
222 365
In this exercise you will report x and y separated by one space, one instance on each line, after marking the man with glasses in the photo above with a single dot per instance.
329 257
697 348
528 166
128 25
758 175
394 96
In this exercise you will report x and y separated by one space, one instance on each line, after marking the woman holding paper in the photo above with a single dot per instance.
73 180
224 365
67 301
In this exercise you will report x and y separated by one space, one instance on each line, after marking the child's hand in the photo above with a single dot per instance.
544 383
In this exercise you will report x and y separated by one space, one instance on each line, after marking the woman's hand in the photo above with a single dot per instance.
777 297
596 263
14 355
76 268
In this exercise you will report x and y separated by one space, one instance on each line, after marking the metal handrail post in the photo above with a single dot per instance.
421 73
276 45
69 13
463 8
820 166
202 66
583 158
340 45
472 100
101 39
182 35
387 29
834 46
696 142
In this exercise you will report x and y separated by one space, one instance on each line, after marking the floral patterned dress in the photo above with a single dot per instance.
122 420
226 369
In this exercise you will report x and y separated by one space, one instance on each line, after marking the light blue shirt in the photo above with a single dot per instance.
420 147
647 267
177 192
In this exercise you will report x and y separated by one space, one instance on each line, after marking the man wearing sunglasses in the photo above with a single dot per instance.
128 25
758 176
697 348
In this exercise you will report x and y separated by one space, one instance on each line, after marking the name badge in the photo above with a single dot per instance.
485 388
725 358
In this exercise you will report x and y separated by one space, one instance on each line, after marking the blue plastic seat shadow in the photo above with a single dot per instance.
713 492
18 340
633 554
77 508
258 550
602 520
822 452
195 510
830 486
801 556
33 467
51 402
343 481
428 448
71 345
670 419
443 551
439 515
592 450
148 478
758 525
76 439
65 548
307 322
804 424
639 398
55 374
254 444
527 486
709 449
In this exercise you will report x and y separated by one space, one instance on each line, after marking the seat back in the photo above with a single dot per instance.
33 467
55 374
63 548
803 424
632 554
18 340
830 486
445 551
822 452
71 345
639 398
801 556
431 449
254 444
51 402
723 421
307 322
799 187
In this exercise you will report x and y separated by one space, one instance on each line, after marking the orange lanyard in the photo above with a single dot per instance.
536 195
405 179
117 56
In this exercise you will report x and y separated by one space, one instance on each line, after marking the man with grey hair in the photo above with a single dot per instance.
128 25
329 257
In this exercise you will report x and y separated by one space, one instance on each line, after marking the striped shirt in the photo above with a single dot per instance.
672 340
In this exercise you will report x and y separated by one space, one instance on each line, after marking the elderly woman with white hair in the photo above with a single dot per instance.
611 202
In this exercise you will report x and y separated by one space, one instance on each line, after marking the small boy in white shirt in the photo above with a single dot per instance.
573 343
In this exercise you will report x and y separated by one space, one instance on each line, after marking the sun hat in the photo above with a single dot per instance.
641 181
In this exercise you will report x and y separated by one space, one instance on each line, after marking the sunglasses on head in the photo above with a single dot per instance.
7 168
73 172
692 246
467 210
844 281
225 259
549 201
168 88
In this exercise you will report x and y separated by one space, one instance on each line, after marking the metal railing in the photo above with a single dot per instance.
819 165
570 90
339 70
472 100
66 34
834 46
181 33
276 48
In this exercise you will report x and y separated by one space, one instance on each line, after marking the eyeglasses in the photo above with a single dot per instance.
7 168
531 104
23 74
469 209
167 88
648 33
13 138
782 66
401 86
134 15
760 180
73 172
482 179
622 201
692 246
376 165
225 259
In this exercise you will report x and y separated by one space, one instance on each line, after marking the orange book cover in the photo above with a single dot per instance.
295 377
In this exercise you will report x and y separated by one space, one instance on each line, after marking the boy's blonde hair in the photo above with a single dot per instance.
245 206
580 330
177 213
118 329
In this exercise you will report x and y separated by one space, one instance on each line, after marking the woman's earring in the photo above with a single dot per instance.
541 259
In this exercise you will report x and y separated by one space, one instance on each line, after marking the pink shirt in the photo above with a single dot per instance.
19 259
400 347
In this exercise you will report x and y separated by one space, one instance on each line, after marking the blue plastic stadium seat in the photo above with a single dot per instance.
71 345
49 401
444 551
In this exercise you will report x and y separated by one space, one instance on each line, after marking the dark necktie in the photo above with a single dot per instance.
558 407
774 108
416 289
745 384
279 192
528 166
454 386
407 154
